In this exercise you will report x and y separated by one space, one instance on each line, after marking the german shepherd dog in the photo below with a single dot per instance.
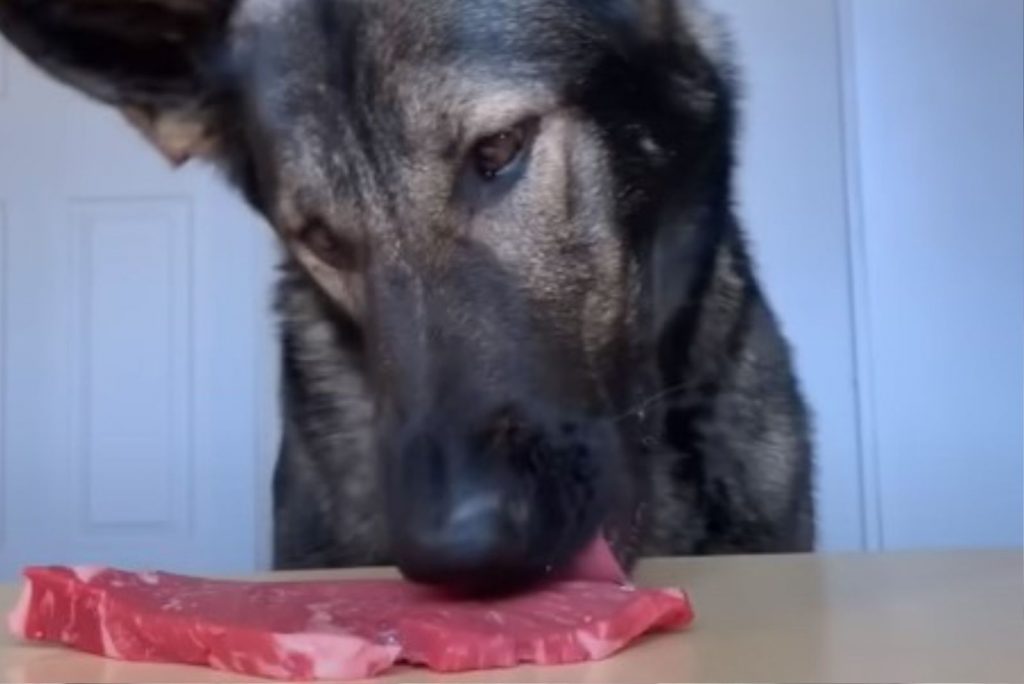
517 311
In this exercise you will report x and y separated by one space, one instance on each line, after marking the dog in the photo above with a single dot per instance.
517 310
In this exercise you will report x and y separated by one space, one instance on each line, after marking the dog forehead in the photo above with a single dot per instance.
395 30
342 90
447 62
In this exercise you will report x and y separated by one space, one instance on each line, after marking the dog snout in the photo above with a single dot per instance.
486 507
471 546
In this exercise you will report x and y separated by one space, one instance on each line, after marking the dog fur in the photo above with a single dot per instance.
606 278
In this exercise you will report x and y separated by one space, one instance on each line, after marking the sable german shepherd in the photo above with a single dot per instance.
516 310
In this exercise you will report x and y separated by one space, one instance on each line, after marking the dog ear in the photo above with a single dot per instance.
149 58
685 24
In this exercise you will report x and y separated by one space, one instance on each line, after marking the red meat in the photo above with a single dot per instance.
331 629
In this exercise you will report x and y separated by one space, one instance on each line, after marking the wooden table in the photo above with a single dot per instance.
849 618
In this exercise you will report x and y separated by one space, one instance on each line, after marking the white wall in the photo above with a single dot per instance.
880 181
938 88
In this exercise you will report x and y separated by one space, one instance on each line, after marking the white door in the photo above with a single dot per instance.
133 381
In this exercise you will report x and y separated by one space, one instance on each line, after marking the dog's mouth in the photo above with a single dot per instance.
595 563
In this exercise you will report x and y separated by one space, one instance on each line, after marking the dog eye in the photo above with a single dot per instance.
497 152
327 246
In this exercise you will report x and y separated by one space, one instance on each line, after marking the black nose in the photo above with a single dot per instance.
498 506
473 544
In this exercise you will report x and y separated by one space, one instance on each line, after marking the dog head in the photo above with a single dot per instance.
504 199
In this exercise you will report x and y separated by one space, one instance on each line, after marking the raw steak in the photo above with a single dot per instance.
331 629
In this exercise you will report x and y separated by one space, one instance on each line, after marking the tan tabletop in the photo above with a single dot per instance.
935 617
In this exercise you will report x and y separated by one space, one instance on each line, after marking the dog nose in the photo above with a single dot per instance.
495 503
460 511
474 545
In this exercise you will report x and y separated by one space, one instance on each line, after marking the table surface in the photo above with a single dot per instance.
955 616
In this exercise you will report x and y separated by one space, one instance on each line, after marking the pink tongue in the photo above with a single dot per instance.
596 563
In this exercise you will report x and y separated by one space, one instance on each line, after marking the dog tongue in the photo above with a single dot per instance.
597 563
